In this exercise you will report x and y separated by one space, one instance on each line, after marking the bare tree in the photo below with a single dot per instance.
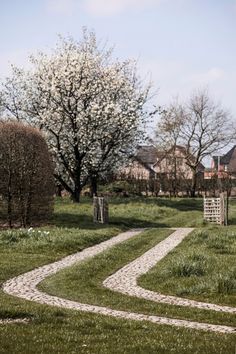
26 170
201 126
208 127
167 139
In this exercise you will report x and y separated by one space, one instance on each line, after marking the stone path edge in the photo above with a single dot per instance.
25 286
13 320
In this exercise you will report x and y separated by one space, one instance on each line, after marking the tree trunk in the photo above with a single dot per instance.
75 196
175 177
94 186
59 190
194 184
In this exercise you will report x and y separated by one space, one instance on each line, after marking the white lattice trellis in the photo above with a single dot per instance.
215 210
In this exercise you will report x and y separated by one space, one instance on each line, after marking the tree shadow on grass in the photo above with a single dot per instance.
83 221
178 204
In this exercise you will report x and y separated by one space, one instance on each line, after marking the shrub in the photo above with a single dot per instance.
26 170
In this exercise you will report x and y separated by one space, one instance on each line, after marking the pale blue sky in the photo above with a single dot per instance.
183 44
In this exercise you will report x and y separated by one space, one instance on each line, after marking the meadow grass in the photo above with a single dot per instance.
83 282
53 330
133 212
202 267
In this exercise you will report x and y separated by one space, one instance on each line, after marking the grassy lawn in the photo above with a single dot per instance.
84 283
202 267
135 212
53 330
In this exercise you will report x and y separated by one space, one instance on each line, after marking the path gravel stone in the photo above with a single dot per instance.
25 286
125 279
13 320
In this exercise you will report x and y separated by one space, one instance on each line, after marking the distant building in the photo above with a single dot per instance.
141 165
173 163
149 162
223 166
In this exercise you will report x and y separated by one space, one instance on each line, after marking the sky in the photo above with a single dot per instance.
183 45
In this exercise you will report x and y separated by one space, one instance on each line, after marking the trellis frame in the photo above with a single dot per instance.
215 210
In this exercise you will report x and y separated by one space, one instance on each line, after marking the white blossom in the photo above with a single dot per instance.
90 107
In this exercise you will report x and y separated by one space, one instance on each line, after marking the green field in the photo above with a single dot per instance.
205 257
202 268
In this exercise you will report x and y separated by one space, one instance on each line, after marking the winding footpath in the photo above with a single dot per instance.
125 279
25 285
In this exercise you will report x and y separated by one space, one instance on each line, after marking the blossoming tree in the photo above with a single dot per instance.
90 106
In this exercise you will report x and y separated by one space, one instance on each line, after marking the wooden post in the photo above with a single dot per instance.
226 207
222 209
100 211
95 209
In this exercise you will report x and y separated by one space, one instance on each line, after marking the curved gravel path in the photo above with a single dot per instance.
25 286
125 279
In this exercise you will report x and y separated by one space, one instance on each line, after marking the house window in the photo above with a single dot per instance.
226 168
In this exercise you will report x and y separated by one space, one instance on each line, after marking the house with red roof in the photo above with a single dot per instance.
223 166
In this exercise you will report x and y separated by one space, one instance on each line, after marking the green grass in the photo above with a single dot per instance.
66 332
83 282
53 330
134 212
202 267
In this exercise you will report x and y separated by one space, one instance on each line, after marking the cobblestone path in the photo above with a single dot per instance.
25 286
13 320
125 279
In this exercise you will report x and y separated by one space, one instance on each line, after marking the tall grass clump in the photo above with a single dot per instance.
223 244
226 284
191 265
199 237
